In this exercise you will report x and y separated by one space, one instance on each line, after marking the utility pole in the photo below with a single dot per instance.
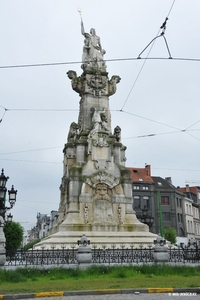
160 213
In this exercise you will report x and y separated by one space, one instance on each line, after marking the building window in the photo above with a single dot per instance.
164 200
166 216
181 218
191 227
180 202
189 206
136 187
136 202
198 229
178 217
145 188
146 201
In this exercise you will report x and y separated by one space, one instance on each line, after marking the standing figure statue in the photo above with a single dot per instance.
99 120
92 49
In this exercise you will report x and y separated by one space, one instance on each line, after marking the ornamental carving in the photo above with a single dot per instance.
76 82
73 132
117 133
119 209
101 141
102 177
112 84
102 208
97 84
86 208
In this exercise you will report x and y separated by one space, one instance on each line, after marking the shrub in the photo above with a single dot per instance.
170 234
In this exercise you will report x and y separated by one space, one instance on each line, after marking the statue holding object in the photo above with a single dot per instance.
92 49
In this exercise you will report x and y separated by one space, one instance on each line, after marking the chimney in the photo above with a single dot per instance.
187 188
169 179
148 170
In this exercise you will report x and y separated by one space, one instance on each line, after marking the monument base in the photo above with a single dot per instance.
106 237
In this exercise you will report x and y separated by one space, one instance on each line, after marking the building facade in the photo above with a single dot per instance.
192 211
158 201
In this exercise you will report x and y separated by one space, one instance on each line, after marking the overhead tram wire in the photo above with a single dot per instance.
167 125
147 135
42 109
32 161
108 60
60 147
33 109
163 27
5 110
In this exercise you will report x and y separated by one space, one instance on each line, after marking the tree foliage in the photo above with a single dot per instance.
14 235
31 244
170 234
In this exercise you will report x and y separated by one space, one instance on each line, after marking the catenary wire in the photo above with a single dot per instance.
145 60
33 161
107 60
129 113
125 138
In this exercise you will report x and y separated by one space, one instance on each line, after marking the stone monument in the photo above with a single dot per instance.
96 188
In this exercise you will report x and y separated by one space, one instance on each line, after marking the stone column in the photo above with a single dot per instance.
2 243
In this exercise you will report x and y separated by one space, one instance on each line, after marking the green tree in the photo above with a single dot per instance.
14 235
31 244
170 234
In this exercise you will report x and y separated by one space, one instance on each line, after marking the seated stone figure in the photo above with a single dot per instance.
73 132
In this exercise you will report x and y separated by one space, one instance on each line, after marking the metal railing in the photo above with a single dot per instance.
113 255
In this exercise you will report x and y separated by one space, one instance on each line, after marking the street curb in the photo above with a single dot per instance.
189 291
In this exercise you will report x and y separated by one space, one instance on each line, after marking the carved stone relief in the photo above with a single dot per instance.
123 157
86 208
117 133
119 209
76 82
101 141
96 85
80 117
99 121
102 206
73 132
101 177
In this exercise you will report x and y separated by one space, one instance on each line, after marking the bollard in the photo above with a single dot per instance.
84 253
160 250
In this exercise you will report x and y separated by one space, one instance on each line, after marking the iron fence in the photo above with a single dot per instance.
113 255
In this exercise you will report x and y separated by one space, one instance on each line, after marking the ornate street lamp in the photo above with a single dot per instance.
145 217
12 196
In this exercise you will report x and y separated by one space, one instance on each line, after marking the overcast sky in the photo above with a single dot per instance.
157 96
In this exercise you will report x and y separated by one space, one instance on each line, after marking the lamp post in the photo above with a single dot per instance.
3 209
12 196
145 217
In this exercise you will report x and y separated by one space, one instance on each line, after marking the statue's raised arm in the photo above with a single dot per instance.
82 28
